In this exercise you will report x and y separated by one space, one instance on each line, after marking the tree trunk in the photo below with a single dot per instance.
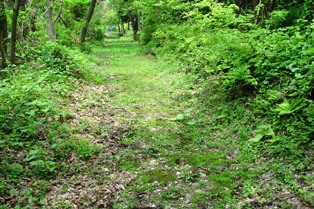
135 26
87 20
32 18
51 23
14 30
51 31
271 6
257 13
139 26
3 35
122 30
255 3
24 26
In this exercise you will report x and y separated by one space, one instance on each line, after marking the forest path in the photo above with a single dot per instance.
141 84
128 117
149 149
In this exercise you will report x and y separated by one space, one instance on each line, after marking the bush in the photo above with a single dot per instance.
58 59
272 70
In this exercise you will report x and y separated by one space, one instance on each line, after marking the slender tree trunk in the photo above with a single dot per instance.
32 18
271 6
135 20
3 57
122 30
23 28
14 30
64 23
51 31
31 23
51 23
135 27
257 13
87 20
139 26
3 35
255 3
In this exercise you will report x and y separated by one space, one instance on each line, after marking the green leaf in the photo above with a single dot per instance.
178 117
191 123
31 113
42 201
34 152
29 158
37 163
270 132
188 110
257 138
103 134
287 107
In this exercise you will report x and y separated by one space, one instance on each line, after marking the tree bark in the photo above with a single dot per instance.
32 18
255 3
51 23
87 20
51 31
16 9
122 30
135 24
271 6
3 35
23 27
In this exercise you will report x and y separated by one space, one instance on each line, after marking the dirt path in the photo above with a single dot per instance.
138 144
124 117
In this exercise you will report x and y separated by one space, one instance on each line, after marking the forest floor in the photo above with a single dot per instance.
148 149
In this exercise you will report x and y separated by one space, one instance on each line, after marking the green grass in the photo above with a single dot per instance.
188 146
140 133
180 154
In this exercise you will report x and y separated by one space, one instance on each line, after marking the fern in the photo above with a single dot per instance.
287 107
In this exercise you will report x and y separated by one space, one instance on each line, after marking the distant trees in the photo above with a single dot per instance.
33 22
266 13
300 8
128 12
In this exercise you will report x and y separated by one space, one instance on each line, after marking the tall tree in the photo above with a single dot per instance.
16 9
135 21
51 23
87 20
3 34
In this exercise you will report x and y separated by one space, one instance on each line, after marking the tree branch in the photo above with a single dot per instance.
59 12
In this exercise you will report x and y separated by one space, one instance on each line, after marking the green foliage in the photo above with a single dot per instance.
98 34
277 19
25 107
82 147
211 39
34 140
59 60
260 75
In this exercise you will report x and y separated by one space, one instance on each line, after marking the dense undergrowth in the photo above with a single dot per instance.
262 75
34 137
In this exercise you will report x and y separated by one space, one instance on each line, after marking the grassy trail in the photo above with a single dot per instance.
141 84
128 117
164 163
150 149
